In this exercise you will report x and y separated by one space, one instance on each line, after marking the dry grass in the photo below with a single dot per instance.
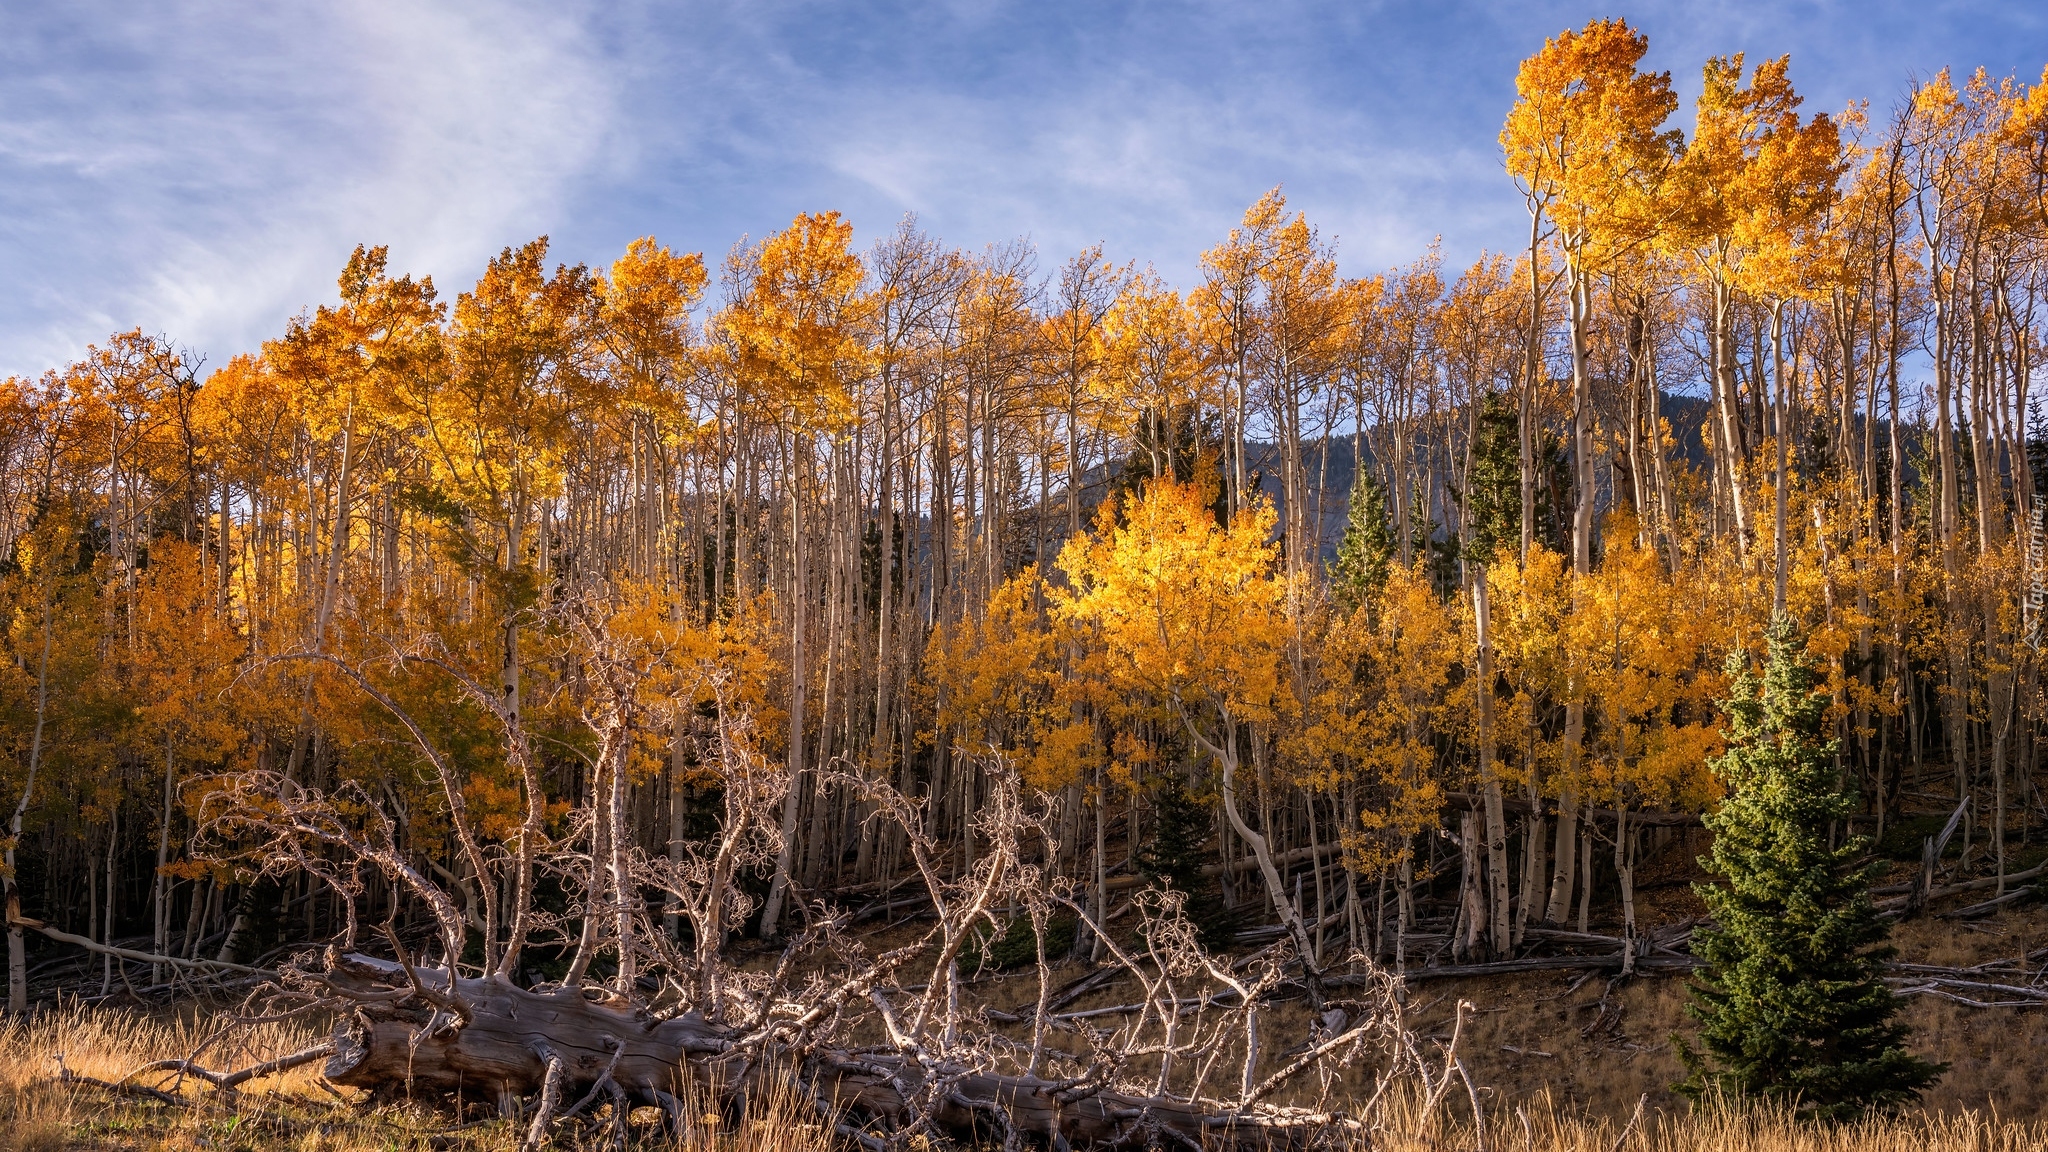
1571 1113
1535 1034
294 1111
1538 1127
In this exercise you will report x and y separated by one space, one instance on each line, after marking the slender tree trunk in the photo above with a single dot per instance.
1732 455
337 545
107 921
1625 874
1559 907
1496 817
17 956
159 889
1226 757
1784 436
771 909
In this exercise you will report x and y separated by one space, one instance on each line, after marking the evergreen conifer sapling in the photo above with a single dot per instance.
1792 1005
1367 547
1173 858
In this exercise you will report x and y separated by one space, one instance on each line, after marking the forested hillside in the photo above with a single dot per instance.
455 613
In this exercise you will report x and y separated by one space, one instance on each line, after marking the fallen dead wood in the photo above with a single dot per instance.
516 1040
71 1079
1280 860
1081 987
92 945
1957 889
1670 963
1956 991
645 1015
231 1081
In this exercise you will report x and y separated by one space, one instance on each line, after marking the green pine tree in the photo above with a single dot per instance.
1367 548
1792 1005
1493 501
1173 859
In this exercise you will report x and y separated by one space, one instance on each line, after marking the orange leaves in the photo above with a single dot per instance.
798 327
1645 652
1582 138
1639 647
1385 699
182 658
997 672
1185 612
1150 364
644 312
2026 129
500 422
370 349
1000 686
1754 182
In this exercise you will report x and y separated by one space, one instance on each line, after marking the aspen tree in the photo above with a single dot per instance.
800 328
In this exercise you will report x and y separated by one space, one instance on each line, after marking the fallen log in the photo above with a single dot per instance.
1957 992
1958 889
1987 907
516 1042
1673 963
228 1082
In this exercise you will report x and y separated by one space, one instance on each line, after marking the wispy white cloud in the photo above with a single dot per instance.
203 168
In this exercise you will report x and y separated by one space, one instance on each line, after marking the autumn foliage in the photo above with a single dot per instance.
1419 584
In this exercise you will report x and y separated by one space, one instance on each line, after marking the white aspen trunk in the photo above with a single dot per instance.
1586 882
17 956
159 890
1625 873
771 908
1559 907
1784 435
107 921
1731 433
1531 368
1496 817
1226 757
625 901
1582 423
1471 925
337 545
671 920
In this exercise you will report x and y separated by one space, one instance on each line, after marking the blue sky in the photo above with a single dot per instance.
202 169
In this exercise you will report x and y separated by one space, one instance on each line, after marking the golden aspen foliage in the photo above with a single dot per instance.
181 660
1151 371
911 511
799 323
53 641
998 671
1188 613
1644 645
1387 696
644 311
1582 138
1754 179
1531 603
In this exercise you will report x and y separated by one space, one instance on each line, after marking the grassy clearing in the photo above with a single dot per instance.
296 1111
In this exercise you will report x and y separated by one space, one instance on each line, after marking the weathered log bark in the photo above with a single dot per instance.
392 1044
